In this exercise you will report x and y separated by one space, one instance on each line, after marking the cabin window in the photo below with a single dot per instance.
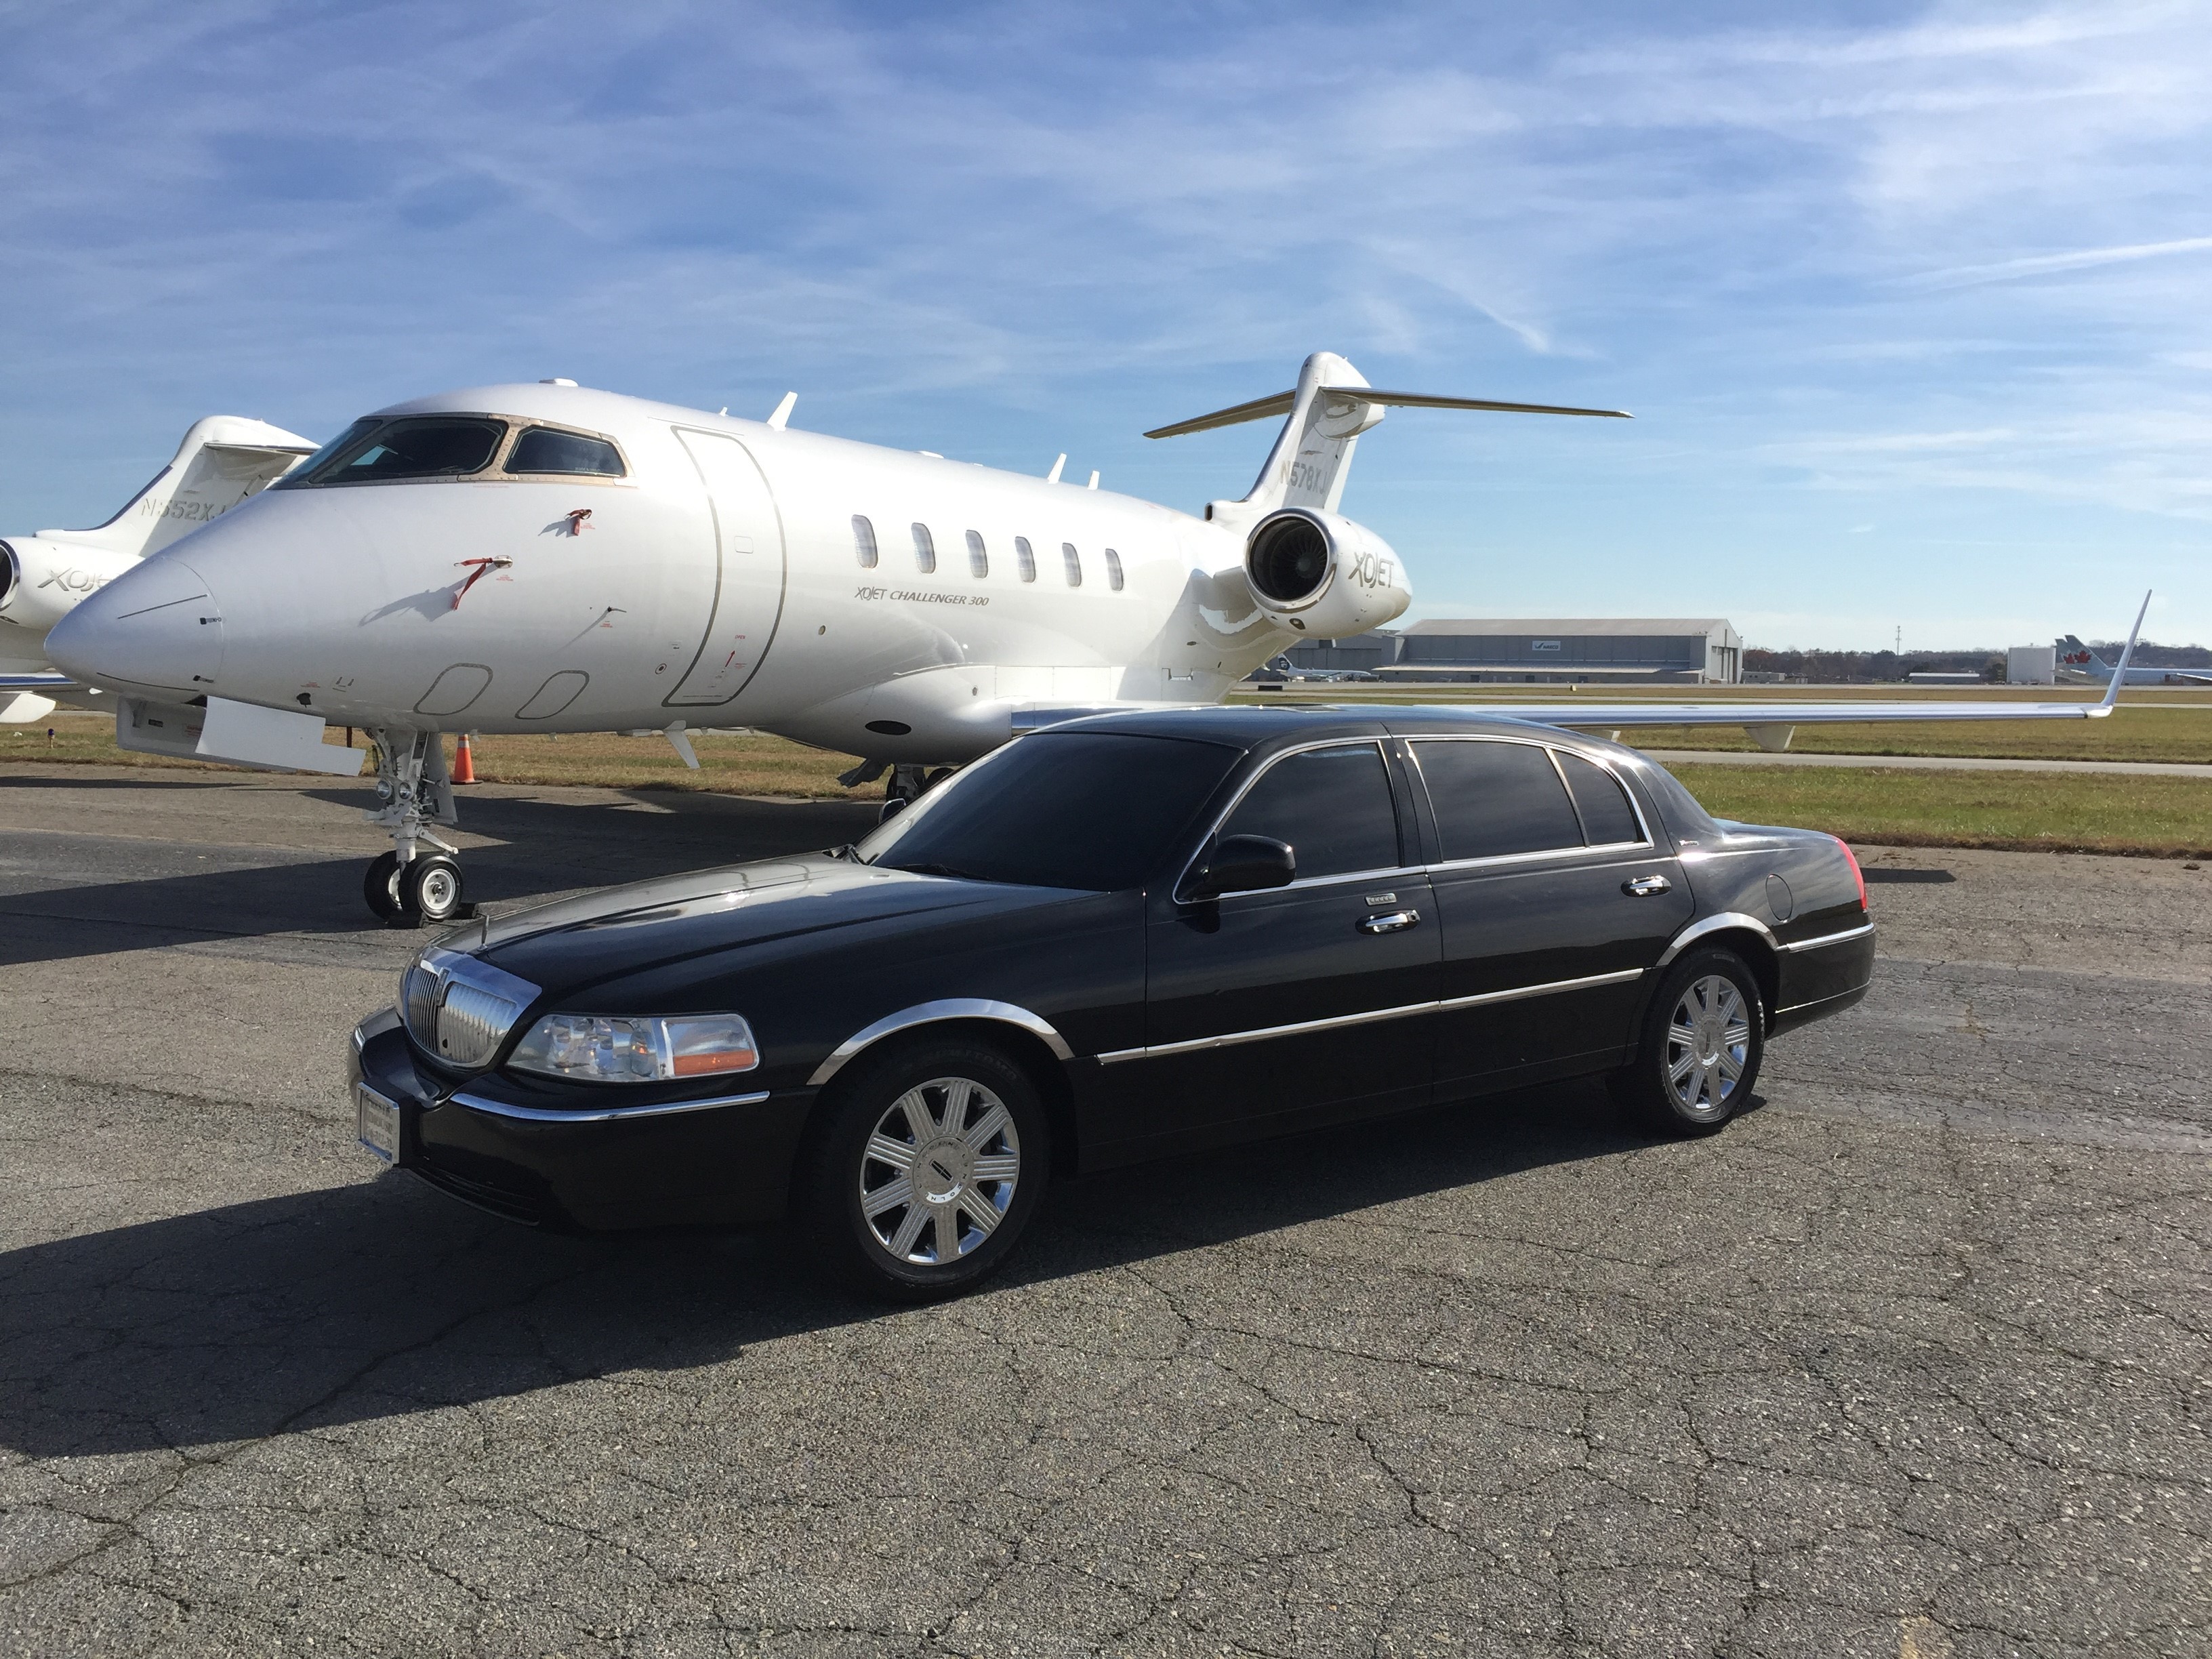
864 542
1112 570
548 449
1025 560
979 561
1073 560
925 550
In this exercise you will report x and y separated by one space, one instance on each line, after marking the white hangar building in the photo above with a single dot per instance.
1558 650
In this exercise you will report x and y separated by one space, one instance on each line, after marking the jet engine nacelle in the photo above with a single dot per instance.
1315 574
41 580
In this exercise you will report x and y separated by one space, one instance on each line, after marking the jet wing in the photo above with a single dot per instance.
47 682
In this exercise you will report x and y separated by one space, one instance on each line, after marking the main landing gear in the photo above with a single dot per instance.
410 886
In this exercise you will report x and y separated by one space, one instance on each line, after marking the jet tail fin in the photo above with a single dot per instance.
1331 405
223 459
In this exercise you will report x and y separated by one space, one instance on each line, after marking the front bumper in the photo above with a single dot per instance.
602 1165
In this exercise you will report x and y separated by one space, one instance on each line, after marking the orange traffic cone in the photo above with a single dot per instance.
465 769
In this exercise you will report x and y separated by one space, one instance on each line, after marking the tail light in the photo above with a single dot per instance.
1858 874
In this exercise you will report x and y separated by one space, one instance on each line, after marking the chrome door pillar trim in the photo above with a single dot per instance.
1229 1039
602 1115
1714 924
1859 932
931 1013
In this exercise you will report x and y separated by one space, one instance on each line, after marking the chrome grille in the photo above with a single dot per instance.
460 1008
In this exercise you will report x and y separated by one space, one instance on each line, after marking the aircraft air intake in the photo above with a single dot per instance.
1320 574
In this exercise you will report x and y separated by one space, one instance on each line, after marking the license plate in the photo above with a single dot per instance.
378 1121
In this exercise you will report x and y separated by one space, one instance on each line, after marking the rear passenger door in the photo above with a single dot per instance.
1285 1004
1554 898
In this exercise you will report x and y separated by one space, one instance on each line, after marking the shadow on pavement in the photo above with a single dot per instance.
541 848
379 1301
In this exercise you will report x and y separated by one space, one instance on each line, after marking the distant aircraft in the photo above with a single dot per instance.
550 558
223 459
2075 657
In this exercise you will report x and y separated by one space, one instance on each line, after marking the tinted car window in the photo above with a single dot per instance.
1091 809
1606 816
547 449
1493 799
431 447
1333 805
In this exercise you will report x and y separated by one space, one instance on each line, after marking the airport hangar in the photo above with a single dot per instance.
1541 651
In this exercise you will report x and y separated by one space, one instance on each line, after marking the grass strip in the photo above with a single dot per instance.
2012 812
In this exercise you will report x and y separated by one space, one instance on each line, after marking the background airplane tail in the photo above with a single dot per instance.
223 459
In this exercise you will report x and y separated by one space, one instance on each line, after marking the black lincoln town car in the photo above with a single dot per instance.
1109 941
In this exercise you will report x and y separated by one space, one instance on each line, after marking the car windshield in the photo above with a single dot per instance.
427 447
1094 810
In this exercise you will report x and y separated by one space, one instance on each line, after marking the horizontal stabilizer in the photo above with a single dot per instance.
1282 403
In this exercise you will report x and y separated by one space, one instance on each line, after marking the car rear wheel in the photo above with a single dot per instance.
925 1168
1703 1040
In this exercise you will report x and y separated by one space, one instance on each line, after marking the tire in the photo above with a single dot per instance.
430 889
380 886
887 1114
1704 1037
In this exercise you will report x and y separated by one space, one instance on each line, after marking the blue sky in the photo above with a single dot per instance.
1913 302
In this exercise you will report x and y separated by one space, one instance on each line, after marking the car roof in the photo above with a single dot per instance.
1257 726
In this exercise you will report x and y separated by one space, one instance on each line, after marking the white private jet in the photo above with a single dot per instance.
550 558
223 459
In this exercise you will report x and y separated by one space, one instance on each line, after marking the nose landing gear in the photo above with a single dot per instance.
408 886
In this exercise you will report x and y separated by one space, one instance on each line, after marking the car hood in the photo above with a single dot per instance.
620 930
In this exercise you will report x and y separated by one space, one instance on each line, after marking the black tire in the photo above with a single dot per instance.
430 889
903 1098
1680 1087
380 886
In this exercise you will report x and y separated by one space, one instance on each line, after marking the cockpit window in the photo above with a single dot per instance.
548 449
425 446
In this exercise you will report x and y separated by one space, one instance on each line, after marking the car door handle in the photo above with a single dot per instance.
1391 923
1645 886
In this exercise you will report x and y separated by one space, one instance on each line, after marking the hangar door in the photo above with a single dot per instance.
749 572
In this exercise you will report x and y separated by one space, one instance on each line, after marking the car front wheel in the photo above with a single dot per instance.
1703 1040
927 1165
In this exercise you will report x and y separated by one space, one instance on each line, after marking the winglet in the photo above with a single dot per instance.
2120 673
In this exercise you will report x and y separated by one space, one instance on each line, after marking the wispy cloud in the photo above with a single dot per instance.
2043 264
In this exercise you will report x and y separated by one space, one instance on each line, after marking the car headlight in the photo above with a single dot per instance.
597 1049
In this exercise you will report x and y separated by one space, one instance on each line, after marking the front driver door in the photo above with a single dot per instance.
1273 1010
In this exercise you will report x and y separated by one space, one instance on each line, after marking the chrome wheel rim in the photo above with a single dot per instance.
938 1171
1708 1044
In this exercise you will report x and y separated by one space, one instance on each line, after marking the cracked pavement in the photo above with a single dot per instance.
1910 1361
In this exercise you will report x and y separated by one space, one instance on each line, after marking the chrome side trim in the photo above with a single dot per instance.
605 1114
930 1013
1859 932
1518 995
1229 1039
1714 924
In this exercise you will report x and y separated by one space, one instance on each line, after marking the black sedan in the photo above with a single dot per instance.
1110 941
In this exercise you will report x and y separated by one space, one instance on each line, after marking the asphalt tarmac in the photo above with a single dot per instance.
1909 1362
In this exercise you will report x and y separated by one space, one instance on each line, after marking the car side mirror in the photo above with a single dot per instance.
1245 863
892 808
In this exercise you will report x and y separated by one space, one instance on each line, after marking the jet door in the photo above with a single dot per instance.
748 577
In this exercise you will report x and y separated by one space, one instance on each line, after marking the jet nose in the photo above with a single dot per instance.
156 627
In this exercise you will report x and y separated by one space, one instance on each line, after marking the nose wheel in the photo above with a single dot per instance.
427 889
411 885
